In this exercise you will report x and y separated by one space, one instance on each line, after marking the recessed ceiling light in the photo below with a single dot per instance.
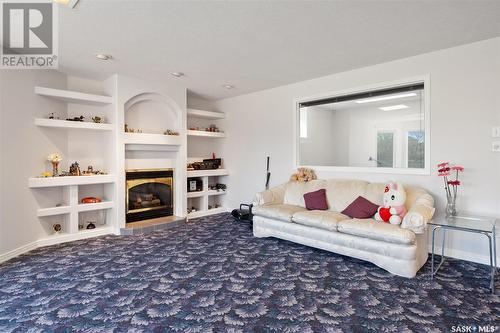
104 56
394 107
385 98
177 74
228 86
69 3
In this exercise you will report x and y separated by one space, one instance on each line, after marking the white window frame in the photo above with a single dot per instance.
425 79
395 135
406 144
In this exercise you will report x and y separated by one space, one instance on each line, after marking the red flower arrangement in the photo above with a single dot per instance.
445 170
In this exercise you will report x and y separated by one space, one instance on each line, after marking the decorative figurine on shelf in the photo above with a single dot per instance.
96 119
81 118
57 228
170 132
51 116
54 159
90 225
132 130
88 200
74 169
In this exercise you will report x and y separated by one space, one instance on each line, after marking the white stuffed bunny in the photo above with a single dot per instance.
394 208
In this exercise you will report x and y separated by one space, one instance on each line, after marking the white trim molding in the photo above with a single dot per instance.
425 79
58 239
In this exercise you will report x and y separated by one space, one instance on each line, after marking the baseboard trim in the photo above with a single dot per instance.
73 237
17 252
463 255
57 239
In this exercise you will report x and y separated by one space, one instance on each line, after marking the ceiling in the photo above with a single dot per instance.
255 45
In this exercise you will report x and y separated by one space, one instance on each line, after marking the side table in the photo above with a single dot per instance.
468 223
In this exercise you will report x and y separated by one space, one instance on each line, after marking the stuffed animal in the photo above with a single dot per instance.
394 208
303 175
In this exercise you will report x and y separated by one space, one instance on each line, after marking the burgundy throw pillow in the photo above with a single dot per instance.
361 208
316 200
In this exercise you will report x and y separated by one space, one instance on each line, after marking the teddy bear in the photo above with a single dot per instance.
394 208
303 175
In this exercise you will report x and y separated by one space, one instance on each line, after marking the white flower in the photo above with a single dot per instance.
54 158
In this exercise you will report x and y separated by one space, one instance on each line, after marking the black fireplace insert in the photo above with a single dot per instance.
149 194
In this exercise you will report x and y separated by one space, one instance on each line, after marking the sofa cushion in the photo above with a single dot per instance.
321 219
372 229
277 211
316 200
361 208
294 193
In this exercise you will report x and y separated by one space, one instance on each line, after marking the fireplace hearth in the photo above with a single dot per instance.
149 194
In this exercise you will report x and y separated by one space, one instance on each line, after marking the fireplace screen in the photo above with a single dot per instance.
149 194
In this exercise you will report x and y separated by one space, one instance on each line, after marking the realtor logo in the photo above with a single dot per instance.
29 38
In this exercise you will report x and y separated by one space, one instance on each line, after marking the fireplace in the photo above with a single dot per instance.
149 194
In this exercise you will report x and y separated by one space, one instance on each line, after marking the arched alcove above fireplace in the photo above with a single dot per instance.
152 113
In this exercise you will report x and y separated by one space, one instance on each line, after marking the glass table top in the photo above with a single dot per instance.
465 221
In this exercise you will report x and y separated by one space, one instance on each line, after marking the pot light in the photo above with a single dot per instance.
104 56
177 74
385 98
394 107
69 3
228 86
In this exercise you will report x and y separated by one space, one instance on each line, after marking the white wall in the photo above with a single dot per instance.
24 148
465 104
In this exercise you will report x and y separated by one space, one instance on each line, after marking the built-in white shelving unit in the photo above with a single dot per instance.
152 139
201 213
204 200
198 194
215 192
74 96
201 200
68 237
66 124
37 182
95 206
195 113
206 134
69 211
53 211
207 173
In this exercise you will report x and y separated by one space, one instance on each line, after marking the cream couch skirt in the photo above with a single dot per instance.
399 259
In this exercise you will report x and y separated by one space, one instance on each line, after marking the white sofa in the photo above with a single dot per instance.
402 250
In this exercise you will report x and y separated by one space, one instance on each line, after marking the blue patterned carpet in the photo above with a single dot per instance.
212 275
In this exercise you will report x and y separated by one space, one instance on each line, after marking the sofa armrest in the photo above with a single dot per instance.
419 214
274 195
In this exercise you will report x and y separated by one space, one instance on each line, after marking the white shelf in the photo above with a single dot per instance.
215 192
61 210
74 96
81 234
205 114
206 134
95 206
201 213
70 180
196 194
52 211
152 139
57 123
207 173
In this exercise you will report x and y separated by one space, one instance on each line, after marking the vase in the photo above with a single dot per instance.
55 169
451 209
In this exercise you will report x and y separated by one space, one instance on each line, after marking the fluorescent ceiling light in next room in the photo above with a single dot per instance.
394 107
385 98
